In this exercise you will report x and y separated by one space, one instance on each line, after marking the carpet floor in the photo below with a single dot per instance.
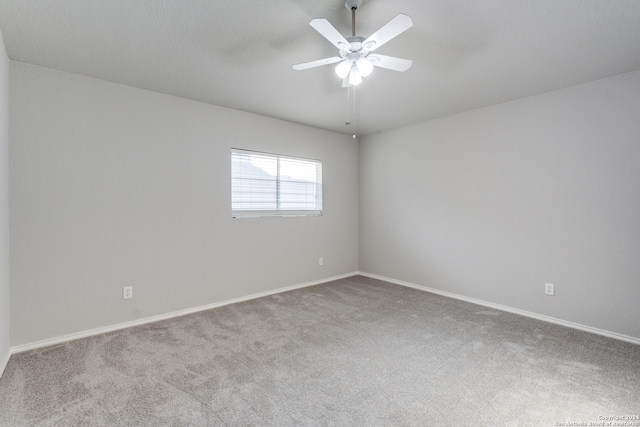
353 352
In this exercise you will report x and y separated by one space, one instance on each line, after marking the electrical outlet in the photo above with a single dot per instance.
127 292
321 261
549 289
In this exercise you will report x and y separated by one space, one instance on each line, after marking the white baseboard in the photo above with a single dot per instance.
549 319
3 362
98 331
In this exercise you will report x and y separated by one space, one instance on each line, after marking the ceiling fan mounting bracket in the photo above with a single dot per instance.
352 4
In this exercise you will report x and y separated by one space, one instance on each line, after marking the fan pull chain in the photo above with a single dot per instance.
351 112
348 121
353 120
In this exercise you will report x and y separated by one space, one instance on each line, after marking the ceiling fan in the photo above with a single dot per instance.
356 60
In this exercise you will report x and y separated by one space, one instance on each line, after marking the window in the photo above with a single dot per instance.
265 184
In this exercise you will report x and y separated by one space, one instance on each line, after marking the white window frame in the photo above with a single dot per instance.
312 197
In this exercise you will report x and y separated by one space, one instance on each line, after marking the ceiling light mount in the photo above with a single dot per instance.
352 4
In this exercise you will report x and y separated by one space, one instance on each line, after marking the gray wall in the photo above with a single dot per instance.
4 207
492 203
114 186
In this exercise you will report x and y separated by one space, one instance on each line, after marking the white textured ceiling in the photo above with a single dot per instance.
466 53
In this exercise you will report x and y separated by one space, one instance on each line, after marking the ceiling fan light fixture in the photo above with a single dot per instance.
354 77
364 66
343 69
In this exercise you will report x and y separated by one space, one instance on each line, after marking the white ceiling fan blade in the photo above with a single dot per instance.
329 32
397 25
390 62
318 63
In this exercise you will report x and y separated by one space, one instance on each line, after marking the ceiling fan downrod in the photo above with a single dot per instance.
353 22
353 5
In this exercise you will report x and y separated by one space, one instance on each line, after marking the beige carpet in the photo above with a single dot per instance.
354 352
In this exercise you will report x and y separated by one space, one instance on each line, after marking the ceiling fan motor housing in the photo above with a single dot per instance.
355 42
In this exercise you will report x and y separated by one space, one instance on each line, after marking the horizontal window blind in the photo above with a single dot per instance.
264 184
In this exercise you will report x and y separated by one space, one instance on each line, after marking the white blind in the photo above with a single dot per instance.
264 184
